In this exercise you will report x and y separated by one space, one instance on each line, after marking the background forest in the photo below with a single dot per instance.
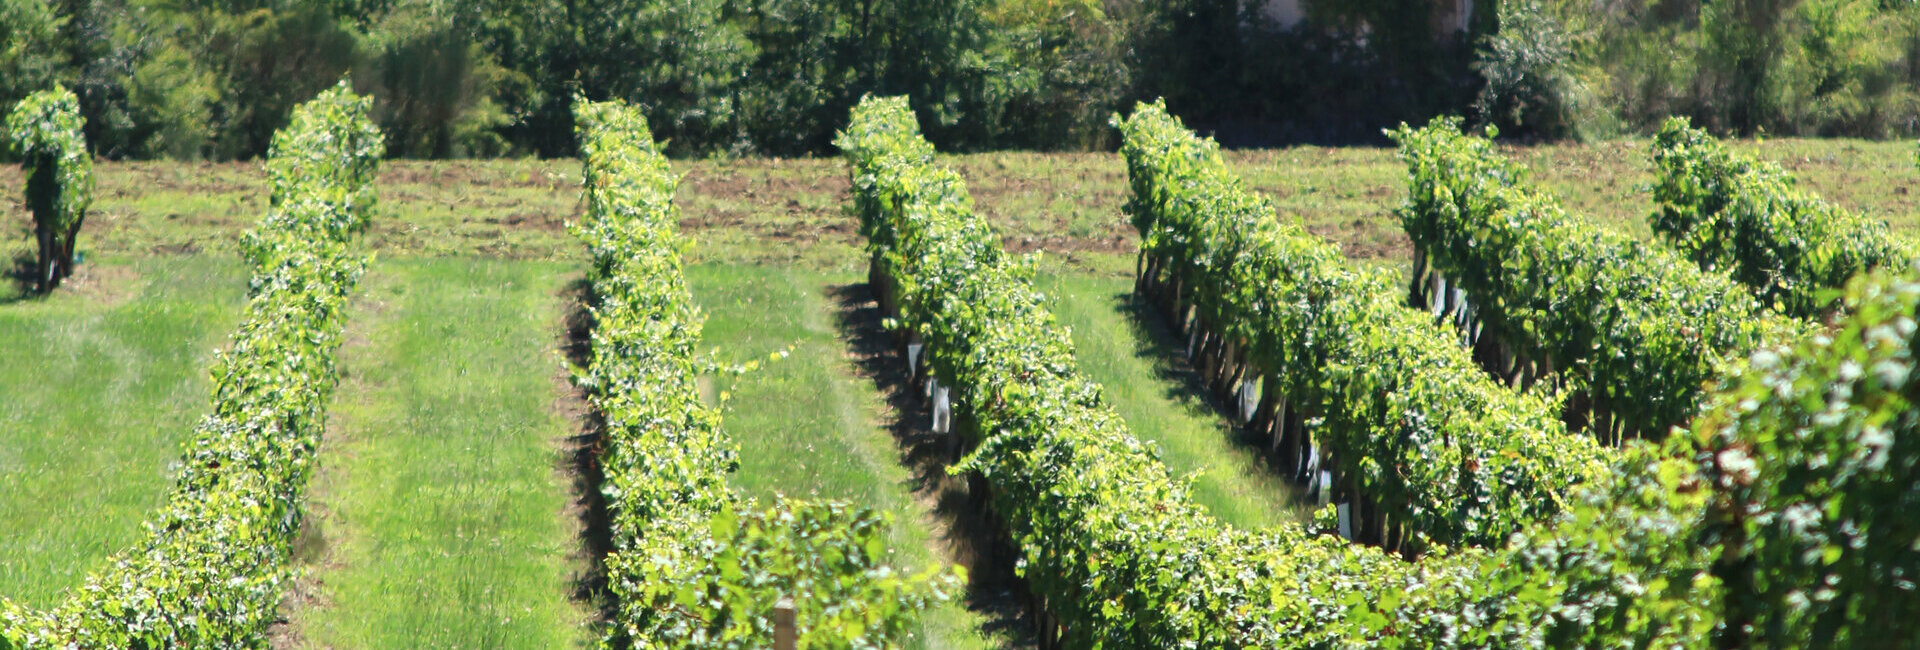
212 79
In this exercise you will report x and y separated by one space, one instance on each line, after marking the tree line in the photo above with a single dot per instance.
213 79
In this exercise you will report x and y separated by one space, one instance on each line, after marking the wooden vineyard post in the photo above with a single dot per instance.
786 636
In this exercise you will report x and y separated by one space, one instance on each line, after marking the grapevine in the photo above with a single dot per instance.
1729 211
210 570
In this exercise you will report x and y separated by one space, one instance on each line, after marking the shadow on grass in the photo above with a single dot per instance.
965 529
580 462
19 283
1167 351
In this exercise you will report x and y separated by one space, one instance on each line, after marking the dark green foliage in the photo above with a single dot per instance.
28 60
818 58
487 77
1806 67
684 61
1532 86
496 77
440 94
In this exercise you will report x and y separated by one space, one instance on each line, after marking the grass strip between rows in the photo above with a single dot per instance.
693 565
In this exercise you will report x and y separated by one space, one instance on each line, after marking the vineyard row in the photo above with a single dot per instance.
1428 448
211 566
1732 213
1628 332
1662 549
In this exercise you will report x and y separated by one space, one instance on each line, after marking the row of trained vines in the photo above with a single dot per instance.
1710 539
1426 445
1775 519
1628 333
1111 545
210 569
1729 211
693 565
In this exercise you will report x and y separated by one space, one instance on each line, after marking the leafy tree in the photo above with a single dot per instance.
438 92
274 59
1419 62
1069 67
684 60
1531 82
175 95
46 130
27 59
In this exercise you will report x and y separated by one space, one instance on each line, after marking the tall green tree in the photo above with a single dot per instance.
817 59
28 59
686 61
438 92
1533 83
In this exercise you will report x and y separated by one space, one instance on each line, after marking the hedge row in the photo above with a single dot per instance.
1630 332
1418 434
1727 210
694 565
210 569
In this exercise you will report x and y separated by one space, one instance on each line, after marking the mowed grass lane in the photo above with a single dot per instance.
1132 357
809 425
439 518
100 387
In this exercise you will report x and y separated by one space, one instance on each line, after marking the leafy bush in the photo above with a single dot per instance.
1813 457
46 130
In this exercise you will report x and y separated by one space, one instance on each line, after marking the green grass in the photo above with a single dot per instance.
1132 362
102 384
809 425
440 505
